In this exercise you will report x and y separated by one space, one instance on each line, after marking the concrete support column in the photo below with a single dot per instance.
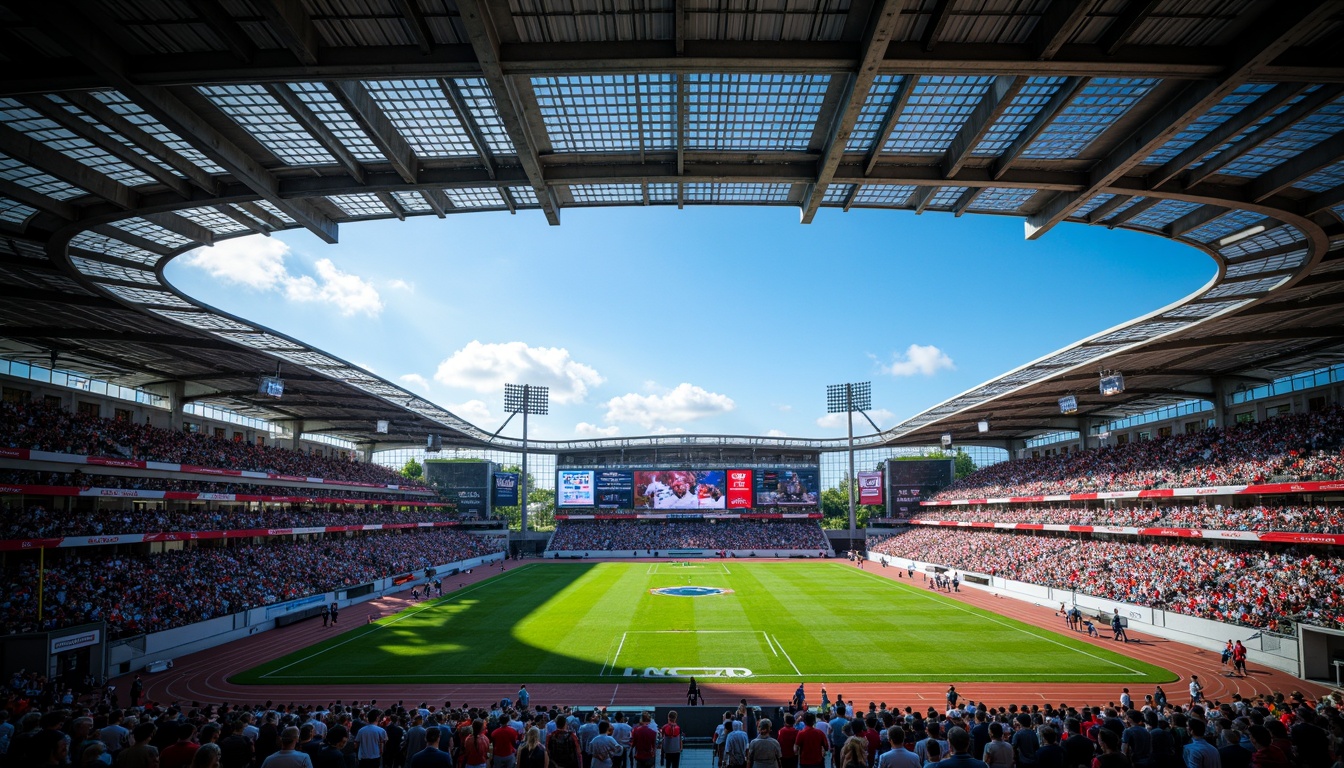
176 401
1220 390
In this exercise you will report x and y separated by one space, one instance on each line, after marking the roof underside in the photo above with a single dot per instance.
134 130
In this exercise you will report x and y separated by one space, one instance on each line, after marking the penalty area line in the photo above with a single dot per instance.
788 658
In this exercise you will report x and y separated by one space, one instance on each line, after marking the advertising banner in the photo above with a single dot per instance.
505 489
615 489
870 488
740 488
574 488
905 499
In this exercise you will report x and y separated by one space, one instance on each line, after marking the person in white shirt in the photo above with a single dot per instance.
371 738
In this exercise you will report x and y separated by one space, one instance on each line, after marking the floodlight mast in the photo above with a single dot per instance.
847 398
525 399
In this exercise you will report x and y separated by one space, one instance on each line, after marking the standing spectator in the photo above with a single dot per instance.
431 756
288 756
764 751
1199 753
372 739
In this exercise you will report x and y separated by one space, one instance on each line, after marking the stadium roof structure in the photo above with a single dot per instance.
132 131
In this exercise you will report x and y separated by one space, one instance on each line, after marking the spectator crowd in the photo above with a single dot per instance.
1287 448
1261 586
154 592
662 535
1264 731
39 427
80 479
38 522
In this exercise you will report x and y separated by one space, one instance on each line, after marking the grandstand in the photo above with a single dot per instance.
173 511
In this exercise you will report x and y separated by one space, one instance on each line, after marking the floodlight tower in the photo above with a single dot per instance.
525 399
846 399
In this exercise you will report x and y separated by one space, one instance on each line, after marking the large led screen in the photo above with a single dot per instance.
574 488
680 489
788 487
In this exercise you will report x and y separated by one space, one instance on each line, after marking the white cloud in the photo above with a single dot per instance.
475 411
661 430
350 294
584 429
921 359
398 284
683 403
366 367
256 262
776 433
487 367
784 408
259 263
414 380
882 416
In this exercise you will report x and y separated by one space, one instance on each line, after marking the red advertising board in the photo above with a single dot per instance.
739 489
870 488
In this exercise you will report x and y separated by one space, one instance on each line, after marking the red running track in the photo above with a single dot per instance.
203 677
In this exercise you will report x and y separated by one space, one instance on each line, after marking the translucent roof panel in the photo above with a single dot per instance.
480 102
737 193
945 197
1232 221
662 193
1255 126
1327 178
412 201
1091 205
477 197
363 204
212 220
875 106
609 113
27 176
29 122
1303 135
836 194
938 107
117 102
1163 213
753 111
268 122
338 121
522 196
1219 113
1002 199
423 116
14 212
1096 107
1023 108
892 195
148 230
611 194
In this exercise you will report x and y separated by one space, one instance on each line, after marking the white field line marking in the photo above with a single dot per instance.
767 642
376 627
690 631
618 652
963 609
790 659
606 659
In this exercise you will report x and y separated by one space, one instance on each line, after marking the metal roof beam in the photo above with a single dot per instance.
1281 122
438 201
1250 114
1067 90
921 198
481 30
313 124
881 26
244 219
37 200
264 216
1056 26
991 107
226 27
938 19
103 334
964 202
68 27
90 133
468 121
392 205
1272 33
292 24
1131 212
415 20
1123 26
888 124
181 225
1295 169
1250 337
365 110
1104 210
1193 220
58 164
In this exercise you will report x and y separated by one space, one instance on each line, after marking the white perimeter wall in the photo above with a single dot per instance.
1191 630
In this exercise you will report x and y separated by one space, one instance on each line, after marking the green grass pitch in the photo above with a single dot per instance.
815 621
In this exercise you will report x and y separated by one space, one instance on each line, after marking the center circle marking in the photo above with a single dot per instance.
690 591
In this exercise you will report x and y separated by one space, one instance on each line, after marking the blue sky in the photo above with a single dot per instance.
705 320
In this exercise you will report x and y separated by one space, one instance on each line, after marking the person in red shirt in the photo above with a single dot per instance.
787 737
671 741
811 743
505 741
183 751
644 742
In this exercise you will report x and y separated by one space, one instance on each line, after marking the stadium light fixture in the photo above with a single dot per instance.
1112 383
525 399
946 440
983 426
1242 235
846 399
382 426
1068 404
